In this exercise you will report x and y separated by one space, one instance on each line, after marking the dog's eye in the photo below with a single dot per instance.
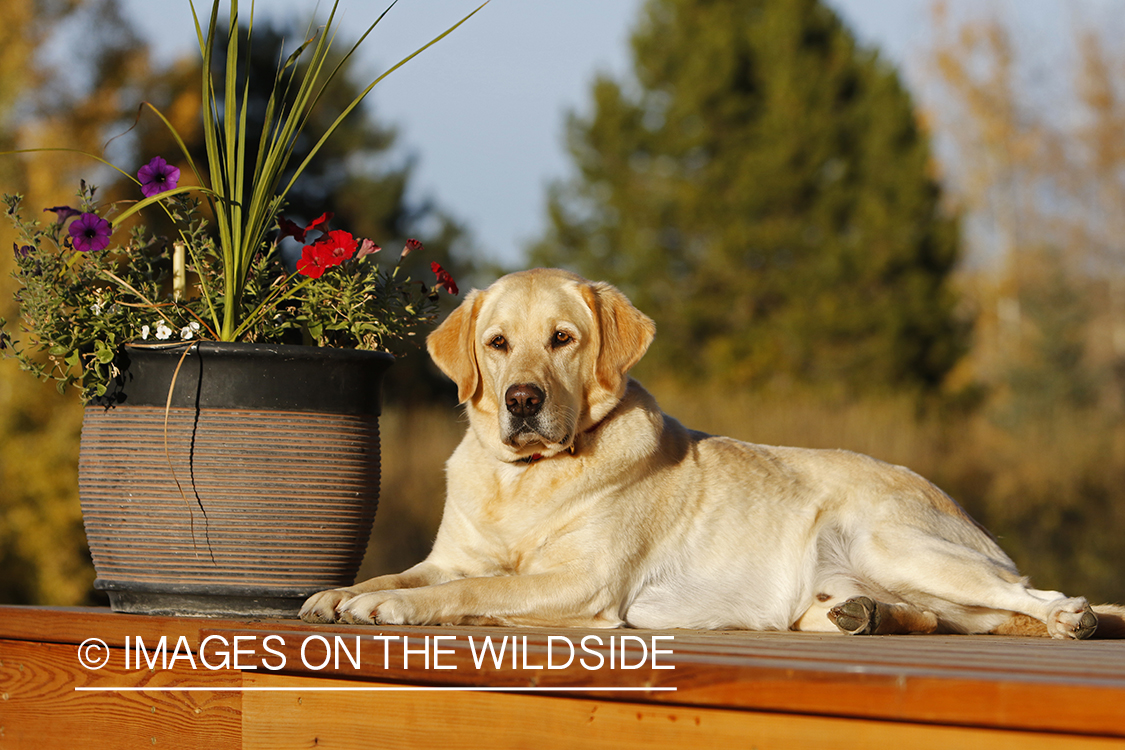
561 338
499 343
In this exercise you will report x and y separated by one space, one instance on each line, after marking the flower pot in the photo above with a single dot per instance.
252 487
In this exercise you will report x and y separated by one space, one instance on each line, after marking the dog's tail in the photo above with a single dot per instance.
1111 621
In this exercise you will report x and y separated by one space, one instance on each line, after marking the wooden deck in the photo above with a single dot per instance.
738 689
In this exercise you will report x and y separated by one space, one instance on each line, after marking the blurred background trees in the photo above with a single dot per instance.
43 553
765 192
933 276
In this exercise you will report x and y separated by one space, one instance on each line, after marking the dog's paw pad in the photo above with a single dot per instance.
375 608
1072 619
857 616
322 607
1087 625
360 610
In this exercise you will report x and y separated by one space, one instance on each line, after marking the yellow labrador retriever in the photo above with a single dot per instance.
574 501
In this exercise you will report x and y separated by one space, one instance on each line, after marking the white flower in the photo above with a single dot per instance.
144 332
96 308
194 325
185 333
163 331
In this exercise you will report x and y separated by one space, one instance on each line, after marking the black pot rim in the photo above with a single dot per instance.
254 350
210 589
238 375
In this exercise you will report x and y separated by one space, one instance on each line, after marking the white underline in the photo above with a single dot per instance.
397 688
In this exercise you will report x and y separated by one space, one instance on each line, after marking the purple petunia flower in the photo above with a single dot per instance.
158 176
63 212
90 232
23 252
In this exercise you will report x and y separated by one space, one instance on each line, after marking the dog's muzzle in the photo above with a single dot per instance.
526 422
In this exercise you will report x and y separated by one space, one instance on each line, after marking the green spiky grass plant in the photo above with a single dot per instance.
243 220
82 299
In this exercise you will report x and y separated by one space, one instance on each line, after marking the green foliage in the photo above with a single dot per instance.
763 190
360 307
78 309
72 314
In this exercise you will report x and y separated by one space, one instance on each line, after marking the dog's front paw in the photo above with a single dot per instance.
1072 619
376 608
324 607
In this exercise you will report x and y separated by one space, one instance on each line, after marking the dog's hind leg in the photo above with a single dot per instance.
969 591
1110 624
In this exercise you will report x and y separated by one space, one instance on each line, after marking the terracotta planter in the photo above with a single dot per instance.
255 489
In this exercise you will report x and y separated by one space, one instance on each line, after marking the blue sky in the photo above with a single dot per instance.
483 112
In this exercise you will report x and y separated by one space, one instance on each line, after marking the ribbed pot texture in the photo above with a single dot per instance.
254 489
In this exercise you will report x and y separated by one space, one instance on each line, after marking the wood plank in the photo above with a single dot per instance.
1011 655
1086 663
969 681
40 708
825 680
304 718
984 702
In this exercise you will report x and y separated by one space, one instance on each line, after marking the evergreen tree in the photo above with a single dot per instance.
763 190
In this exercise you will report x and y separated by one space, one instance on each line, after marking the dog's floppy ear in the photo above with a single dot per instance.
453 349
624 335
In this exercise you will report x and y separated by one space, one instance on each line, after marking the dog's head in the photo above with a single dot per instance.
539 357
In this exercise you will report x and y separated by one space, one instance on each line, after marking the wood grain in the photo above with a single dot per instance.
39 706
304 718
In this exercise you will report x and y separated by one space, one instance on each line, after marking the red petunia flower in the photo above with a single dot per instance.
332 249
292 229
411 245
444 279
339 245
313 263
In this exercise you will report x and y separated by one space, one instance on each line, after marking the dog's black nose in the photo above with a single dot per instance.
524 400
